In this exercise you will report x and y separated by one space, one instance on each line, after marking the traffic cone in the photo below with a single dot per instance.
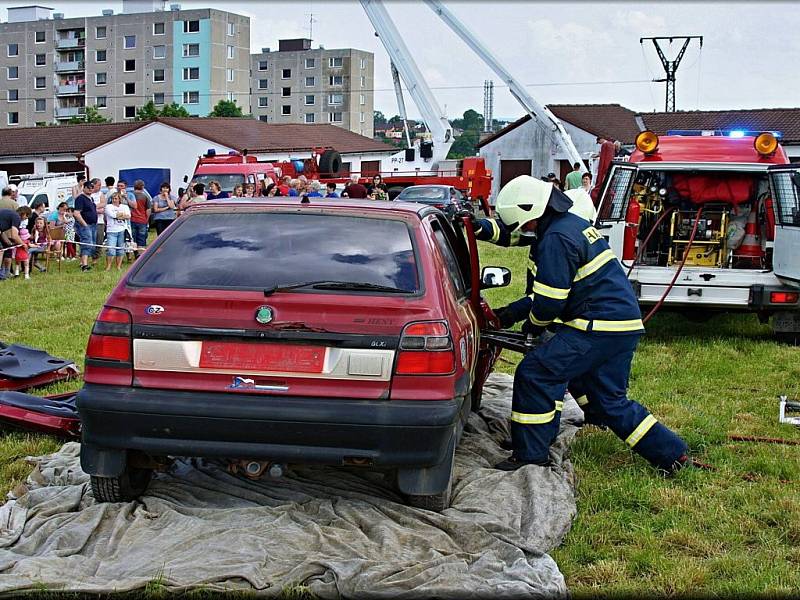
750 254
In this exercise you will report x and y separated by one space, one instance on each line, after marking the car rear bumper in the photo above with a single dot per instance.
381 433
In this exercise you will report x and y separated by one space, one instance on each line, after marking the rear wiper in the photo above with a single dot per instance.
291 286
354 285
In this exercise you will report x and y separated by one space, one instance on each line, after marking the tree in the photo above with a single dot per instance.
379 118
226 108
148 112
174 110
91 115
464 145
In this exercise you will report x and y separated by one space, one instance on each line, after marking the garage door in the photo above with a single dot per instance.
513 168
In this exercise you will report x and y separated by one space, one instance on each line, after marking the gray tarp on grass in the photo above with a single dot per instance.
339 532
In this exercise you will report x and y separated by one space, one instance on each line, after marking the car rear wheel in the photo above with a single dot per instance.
126 487
437 502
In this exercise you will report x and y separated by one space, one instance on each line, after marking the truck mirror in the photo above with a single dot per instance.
185 179
493 277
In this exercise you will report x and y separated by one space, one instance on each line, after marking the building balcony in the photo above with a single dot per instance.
70 43
66 67
69 112
71 89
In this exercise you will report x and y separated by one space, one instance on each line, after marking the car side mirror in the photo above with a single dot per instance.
185 179
493 277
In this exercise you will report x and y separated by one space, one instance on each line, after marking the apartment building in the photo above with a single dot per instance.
53 67
301 84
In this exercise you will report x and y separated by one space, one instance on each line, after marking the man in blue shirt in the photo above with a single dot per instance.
86 223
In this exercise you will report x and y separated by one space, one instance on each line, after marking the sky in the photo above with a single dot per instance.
565 53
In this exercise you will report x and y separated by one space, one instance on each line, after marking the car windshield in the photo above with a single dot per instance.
247 250
226 181
425 195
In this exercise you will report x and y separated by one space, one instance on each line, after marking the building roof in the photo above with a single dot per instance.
612 121
236 133
785 120
61 139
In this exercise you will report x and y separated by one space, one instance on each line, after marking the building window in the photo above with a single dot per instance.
13 95
309 117
191 49
286 109
13 118
231 96
130 42
286 74
101 102
159 52
311 63
230 75
191 97
309 99
262 101
363 63
100 33
158 29
190 73
335 62
130 112
263 118
286 92
13 50
130 89
362 99
158 98
100 56
361 118
41 37
40 83
262 65
13 73
100 79
191 26
41 60
262 84
130 65
231 29
334 117
41 105
335 80
335 98
311 81
363 81
231 52
158 75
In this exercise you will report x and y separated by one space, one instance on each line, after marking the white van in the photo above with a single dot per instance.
52 188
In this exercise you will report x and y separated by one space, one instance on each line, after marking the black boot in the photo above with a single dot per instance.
513 463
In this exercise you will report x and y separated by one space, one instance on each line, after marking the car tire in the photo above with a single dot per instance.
436 502
330 163
126 487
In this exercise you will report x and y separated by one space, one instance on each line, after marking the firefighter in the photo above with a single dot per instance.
577 288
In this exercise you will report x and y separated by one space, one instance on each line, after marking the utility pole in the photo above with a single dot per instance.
671 66
488 106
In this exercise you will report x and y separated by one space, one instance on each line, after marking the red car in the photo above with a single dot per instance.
271 332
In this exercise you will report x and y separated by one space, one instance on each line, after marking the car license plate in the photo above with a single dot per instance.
280 358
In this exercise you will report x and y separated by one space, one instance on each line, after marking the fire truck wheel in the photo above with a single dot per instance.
330 162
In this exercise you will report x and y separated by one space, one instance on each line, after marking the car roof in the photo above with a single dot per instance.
431 185
364 207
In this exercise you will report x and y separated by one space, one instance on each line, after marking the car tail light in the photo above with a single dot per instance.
108 353
426 348
784 297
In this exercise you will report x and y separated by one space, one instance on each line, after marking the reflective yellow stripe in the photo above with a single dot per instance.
582 400
581 324
549 291
638 433
537 322
559 405
495 231
632 325
531 266
536 418
593 265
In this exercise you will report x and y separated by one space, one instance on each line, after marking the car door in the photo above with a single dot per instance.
785 186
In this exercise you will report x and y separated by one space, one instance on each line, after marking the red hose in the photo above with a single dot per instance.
647 238
680 268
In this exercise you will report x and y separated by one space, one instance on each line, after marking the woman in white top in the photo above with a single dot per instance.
117 217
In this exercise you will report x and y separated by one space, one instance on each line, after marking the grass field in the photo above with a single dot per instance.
733 531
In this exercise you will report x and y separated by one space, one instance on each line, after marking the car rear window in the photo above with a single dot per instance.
247 250
424 195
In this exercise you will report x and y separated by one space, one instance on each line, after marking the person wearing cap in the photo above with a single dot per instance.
86 223
581 292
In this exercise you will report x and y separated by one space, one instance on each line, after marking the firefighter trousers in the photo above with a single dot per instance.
596 366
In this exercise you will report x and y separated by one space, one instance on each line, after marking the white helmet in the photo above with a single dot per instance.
582 204
525 198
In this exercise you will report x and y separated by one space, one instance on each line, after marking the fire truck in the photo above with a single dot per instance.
708 222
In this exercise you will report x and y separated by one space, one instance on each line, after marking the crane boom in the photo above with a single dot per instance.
537 112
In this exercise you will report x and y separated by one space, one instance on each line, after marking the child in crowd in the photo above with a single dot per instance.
21 256
69 234
40 242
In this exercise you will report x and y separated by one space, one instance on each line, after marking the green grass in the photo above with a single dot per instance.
735 530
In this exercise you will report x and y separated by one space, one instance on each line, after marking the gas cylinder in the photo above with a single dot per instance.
631 230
